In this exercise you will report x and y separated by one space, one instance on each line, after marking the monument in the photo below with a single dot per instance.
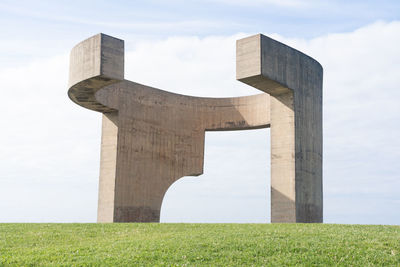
151 138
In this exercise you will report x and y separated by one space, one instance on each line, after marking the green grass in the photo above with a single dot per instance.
198 244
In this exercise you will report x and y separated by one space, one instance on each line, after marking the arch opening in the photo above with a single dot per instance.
235 185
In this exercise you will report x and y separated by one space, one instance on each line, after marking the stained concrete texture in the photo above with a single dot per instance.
151 137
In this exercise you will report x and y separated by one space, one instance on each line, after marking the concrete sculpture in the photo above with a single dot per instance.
151 138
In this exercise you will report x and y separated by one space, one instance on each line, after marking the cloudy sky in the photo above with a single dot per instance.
49 156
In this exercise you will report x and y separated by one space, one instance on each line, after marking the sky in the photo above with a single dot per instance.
50 147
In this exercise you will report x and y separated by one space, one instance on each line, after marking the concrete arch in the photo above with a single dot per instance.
151 137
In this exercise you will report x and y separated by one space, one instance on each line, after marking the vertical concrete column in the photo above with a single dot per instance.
108 165
96 63
294 82
283 192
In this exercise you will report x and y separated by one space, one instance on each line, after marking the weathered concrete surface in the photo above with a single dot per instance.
151 138
294 82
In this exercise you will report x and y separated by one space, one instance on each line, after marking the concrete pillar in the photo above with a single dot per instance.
108 167
283 192
294 82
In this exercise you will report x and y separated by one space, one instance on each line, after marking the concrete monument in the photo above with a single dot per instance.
151 138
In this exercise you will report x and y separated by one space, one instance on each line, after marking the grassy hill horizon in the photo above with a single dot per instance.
165 244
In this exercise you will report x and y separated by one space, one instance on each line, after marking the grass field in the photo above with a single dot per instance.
198 244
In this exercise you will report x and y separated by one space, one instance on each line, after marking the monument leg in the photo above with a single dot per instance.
108 165
283 192
294 82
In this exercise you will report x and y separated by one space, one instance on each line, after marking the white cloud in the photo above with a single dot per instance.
50 146
188 65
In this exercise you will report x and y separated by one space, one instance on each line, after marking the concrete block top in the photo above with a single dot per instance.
99 55
94 63
272 66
